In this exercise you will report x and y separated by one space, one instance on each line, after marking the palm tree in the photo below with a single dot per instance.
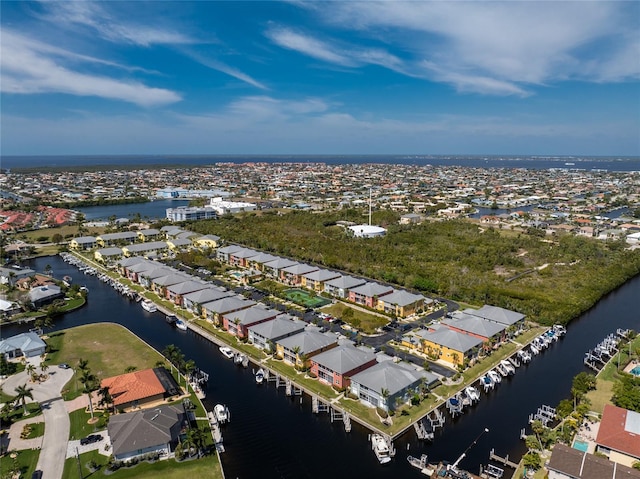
384 392
197 437
83 364
30 369
106 399
89 384
22 393
44 367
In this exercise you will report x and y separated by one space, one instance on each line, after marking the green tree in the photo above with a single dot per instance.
89 384
532 460
22 393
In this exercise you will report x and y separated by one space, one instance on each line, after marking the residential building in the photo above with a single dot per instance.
177 292
447 345
619 435
83 243
207 242
215 310
341 286
140 389
42 295
336 366
473 325
298 349
315 279
23 344
108 255
237 322
152 248
569 463
266 335
368 294
402 303
193 301
122 238
273 268
294 273
224 254
498 315
190 213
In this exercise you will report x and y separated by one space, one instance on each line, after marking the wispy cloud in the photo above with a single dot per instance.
30 67
498 47
222 67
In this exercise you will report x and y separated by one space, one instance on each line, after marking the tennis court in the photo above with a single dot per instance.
305 298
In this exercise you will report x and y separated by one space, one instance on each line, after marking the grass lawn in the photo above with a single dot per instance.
35 429
169 469
25 460
366 322
80 427
109 348
311 384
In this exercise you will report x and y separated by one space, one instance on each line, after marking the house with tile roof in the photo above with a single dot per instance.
569 463
336 366
388 384
402 303
141 388
369 293
340 286
154 430
264 335
23 344
315 279
619 435
237 322
298 349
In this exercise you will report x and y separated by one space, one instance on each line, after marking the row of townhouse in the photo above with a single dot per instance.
336 362
461 335
385 298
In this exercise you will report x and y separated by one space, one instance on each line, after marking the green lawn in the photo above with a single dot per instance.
80 426
36 429
25 461
366 322
207 467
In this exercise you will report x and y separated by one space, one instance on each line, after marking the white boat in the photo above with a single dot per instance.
226 352
66 280
148 305
472 393
559 329
221 412
260 376
422 464
533 349
380 448
508 366
495 377
181 325
239 358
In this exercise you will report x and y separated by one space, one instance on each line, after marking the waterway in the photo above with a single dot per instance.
156 209
274 436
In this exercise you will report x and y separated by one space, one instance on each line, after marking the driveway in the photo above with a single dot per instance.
56 430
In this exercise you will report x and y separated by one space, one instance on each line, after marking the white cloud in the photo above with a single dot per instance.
501 47
318 49
224 68
30 67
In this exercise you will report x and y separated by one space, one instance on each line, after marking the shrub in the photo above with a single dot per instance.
382 413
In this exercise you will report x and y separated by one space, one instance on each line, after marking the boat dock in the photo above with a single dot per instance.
502 460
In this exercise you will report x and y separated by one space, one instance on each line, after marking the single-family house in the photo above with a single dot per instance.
9 308
298 349
336 366
43 295
266 335
214 310
154 430
237 322
569 463
619 435
23 344
410 219
142 388
388 384
340 286
83 243
12 276
402 303
315 279
369 293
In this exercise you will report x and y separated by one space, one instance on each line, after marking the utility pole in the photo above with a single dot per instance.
79 464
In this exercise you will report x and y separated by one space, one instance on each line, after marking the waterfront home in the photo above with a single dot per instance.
23 344
474 326
145 278
257 262
134 271
150 234
266 335
498 315
241 257
368 294
237 322
273 268
570 463
139 389
159 285
179 244
388 384
9 308
315 279
176 292
293 274
12 276
224 254
619 435
207 241
447 345
83 243
401 303
43 295
214 310
193 301
299 348
336 366
157 430
152 248
340 286
121 238
107 255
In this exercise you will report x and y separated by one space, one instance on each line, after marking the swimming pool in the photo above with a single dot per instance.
635 371
580 445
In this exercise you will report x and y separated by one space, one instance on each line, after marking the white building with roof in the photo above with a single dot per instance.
367 231
223 207
23 344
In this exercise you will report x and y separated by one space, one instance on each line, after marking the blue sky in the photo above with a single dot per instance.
320 78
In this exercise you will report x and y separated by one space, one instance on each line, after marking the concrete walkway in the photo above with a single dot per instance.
56 418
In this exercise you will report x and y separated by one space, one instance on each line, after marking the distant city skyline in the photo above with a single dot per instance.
296 77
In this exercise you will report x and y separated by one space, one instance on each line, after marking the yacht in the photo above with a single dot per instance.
221 412
149 306
508 367
226 352
181 325
260 376
380 448
495 377
472 393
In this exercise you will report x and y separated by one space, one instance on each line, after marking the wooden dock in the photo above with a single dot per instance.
502 460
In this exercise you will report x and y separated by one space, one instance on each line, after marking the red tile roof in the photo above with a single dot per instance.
135 386
613 435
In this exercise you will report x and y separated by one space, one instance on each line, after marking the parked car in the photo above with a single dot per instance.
37 474
90 439
63 366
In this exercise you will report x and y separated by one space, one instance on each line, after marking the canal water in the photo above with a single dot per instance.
274 436
153 210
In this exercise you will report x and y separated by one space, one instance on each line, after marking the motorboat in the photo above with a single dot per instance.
260 376
239 358
149 306
495 377
472 393
508 366
560 330
66 280
181 325
221 412
227 352
422 464
524 356
171 318
380 448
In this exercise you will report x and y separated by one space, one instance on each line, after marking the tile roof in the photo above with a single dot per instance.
134 386
620 430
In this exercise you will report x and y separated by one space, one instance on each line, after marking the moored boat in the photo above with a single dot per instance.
66 280
380 448
221 412
181 325
171 318
149 306
260 376
226 352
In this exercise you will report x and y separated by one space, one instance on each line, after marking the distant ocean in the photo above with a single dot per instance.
480 161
